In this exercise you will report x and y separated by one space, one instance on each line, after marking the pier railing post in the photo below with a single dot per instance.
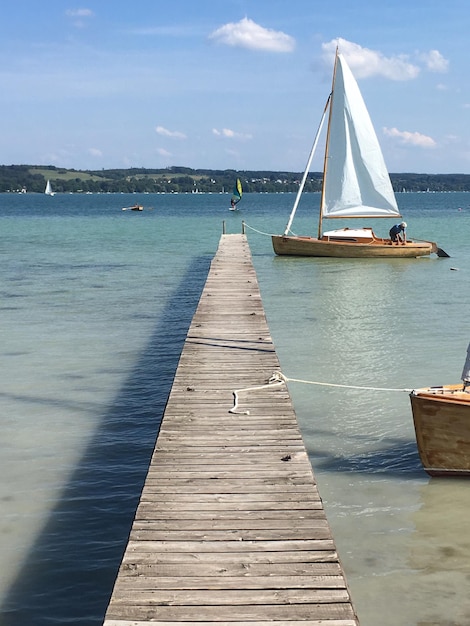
223 227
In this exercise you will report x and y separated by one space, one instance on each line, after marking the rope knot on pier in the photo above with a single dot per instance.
276 379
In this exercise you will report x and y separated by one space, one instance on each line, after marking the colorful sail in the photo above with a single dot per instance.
237 193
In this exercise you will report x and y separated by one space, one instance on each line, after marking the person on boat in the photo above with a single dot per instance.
398 234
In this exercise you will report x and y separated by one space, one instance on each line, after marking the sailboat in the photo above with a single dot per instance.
356 183
236 195
48 191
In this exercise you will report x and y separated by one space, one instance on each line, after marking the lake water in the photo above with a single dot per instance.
95 304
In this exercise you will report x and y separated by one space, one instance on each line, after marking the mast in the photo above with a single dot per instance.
325 163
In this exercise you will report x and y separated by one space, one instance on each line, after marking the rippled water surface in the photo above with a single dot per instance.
94 307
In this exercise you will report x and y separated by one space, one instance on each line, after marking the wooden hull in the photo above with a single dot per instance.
371 247
441 417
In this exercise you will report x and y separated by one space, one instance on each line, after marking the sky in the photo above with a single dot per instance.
228 84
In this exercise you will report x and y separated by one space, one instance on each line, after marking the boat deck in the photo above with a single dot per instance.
230 529
447 393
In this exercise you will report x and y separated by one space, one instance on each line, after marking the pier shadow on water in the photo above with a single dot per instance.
69 573
394 458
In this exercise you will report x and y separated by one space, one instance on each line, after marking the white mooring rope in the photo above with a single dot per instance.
260 232
274 381
278 378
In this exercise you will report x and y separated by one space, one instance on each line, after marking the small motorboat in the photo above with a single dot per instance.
134 207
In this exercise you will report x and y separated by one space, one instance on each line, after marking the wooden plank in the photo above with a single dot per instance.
189 597
144 581
231 546
233 570
247 560
230 528
308 622
236 612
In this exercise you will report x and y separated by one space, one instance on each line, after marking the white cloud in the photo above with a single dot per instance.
174 134
413 139
227 133
434 61
248 34
79 13
365 62
95 152
163 152
78 16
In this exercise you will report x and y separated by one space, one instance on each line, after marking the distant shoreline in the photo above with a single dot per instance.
189 193
33 178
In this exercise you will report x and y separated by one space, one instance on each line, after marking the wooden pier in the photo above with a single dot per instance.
230 529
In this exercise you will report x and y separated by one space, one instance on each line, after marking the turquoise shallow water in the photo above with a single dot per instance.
95 303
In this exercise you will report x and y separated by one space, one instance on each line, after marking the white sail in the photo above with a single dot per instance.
466 368
356 180
48 191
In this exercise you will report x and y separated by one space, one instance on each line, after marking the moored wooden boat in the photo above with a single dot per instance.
350 243
441 417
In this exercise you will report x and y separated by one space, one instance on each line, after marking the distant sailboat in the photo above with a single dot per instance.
236 196
48 191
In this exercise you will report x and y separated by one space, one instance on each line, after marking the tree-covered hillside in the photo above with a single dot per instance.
32 178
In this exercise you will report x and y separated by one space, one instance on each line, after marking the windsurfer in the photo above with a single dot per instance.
398 234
